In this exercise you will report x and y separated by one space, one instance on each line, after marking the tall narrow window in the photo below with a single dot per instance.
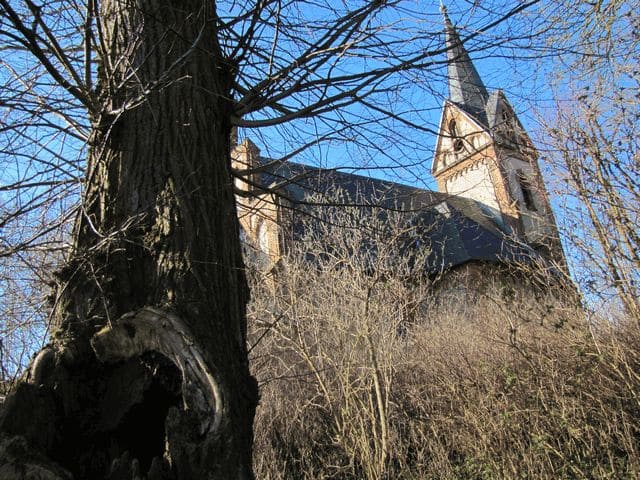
263 237
452 128
528 191
453 132
509 129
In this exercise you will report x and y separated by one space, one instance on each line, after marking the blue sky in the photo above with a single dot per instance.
505 58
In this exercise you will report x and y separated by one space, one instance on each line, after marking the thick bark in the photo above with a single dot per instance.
158 229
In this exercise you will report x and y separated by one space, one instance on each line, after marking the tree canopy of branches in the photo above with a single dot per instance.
594 147
118 114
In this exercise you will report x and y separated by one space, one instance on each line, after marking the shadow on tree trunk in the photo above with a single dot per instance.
147 407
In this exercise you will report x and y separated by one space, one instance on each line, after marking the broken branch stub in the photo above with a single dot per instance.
154 330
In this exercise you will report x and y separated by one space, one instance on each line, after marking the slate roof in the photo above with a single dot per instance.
455 227
492 109
466 88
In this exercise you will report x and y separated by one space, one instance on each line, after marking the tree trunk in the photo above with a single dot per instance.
156 278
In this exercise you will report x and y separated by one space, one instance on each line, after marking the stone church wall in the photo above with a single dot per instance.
474 288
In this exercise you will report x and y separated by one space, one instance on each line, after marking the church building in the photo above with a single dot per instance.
491 208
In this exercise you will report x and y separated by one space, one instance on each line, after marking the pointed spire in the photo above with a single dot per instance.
465 86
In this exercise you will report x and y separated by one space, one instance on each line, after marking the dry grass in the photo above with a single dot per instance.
352 388
366 373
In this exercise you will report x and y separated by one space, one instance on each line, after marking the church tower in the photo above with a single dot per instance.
484 154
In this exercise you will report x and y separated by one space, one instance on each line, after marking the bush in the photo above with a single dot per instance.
369 373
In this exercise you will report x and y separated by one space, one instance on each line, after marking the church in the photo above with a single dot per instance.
491 210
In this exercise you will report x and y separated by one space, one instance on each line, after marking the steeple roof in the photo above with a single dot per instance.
465 86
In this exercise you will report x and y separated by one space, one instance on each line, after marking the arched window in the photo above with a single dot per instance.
528 191
453 128
509 128
263 237
453 132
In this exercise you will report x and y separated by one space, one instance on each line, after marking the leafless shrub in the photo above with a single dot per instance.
593 153
394 375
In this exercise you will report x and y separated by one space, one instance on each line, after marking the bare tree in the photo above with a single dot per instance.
146 373
334 336
371 369
594 147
